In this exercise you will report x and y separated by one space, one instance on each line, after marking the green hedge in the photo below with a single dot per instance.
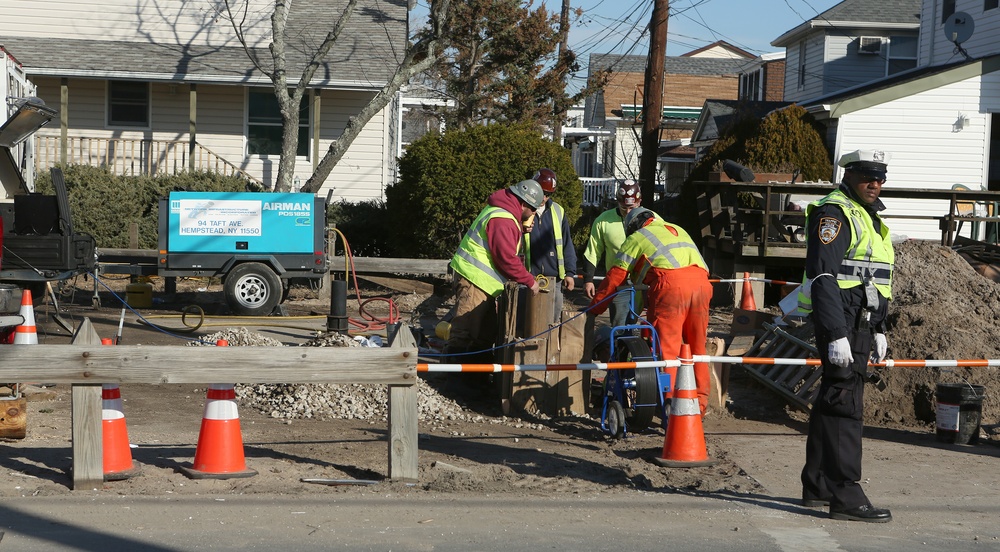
103 204
445 179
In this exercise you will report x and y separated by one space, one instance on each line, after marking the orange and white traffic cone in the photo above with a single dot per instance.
684 444
220 446
25 333
746 298
118 463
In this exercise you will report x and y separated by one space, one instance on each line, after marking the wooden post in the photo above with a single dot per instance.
403 418
652 102
88 453
86 428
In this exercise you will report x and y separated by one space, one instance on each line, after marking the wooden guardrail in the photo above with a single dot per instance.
86 367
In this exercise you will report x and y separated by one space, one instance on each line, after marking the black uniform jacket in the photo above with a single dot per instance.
835 310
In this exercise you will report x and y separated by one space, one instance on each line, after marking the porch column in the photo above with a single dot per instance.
317 103
192 125
63 120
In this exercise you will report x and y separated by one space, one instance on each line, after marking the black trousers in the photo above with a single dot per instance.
833 446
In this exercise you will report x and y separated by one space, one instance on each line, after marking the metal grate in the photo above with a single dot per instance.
797 384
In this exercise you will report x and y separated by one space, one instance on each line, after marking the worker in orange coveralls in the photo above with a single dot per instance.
662 256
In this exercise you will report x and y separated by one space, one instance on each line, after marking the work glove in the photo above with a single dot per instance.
839 352
881 347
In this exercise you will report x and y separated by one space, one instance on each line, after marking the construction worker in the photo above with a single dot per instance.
549 247
663 256
848 284
486 259
606 237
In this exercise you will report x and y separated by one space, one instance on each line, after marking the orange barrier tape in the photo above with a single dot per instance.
424 367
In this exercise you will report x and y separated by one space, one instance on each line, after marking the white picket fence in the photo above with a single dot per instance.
596 190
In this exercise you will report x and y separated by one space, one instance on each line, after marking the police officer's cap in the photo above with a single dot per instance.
874 162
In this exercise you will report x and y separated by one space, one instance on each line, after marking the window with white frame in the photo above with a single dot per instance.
128 104
902 54
264 124
750 85
990 4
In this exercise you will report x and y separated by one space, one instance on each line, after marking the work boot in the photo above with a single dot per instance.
867 513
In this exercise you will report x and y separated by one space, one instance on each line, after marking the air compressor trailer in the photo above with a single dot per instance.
255 241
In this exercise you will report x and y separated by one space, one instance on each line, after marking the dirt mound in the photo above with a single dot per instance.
941 309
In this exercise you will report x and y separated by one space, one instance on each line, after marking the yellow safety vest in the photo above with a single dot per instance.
870 255
661 248
557 217
473 260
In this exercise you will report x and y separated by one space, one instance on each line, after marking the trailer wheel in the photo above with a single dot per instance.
252 289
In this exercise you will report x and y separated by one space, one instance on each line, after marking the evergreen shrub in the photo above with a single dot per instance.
445 179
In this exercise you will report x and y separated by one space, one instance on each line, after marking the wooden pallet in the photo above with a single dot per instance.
797 384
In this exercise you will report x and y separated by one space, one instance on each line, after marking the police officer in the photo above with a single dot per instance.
848 283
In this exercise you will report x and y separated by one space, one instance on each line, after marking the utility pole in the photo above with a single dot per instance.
652 101
557 112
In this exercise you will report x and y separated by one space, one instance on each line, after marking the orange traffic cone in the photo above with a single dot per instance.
118 463
220 446
684 444
25 333
746 301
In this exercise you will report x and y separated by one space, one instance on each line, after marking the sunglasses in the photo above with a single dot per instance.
866 176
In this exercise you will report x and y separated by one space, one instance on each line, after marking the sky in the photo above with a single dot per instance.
619 26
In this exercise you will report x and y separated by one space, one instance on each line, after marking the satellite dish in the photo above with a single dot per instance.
958 27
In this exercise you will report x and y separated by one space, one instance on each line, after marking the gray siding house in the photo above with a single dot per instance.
854 42
940 120
162 86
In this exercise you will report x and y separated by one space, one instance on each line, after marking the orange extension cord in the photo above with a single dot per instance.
368 321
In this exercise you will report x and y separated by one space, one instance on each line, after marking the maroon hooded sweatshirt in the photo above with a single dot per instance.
504 238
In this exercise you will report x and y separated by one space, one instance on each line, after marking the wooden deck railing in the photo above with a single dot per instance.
134 157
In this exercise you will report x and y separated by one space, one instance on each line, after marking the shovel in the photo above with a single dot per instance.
63 323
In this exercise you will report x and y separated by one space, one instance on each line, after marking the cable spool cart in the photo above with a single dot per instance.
632 397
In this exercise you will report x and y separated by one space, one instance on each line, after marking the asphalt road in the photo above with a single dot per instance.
383 521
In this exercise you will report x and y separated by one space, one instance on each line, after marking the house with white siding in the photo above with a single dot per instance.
165 85
854 42
938 120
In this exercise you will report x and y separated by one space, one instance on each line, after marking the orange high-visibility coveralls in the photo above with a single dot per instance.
663 256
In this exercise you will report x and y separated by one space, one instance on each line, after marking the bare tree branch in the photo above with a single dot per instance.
420 56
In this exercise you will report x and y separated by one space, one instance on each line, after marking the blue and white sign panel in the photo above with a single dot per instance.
225 222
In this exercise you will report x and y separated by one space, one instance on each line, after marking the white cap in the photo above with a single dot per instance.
866 160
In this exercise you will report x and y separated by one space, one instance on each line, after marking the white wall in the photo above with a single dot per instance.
196 23
627 151
361 174
927 151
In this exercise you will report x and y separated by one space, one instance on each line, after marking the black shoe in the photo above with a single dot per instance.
815 502
866 513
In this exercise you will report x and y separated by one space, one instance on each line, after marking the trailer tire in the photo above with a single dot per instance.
252 289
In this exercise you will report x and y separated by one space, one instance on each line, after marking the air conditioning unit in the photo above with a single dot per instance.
870 45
